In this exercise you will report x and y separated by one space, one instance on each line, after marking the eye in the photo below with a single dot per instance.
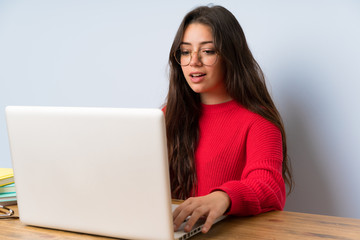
208 51
184 52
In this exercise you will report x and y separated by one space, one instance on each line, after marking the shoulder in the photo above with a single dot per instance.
254 122
252 118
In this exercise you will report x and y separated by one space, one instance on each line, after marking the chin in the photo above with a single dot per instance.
197 89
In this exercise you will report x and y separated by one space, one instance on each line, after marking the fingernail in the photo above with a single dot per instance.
187 228
205 229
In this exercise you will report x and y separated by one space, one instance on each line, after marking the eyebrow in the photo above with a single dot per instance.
202 43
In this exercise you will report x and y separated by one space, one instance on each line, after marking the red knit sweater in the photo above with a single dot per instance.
240 153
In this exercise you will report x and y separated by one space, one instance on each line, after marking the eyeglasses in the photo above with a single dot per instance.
6 212
206 56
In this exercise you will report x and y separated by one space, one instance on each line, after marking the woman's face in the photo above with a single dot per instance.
207 80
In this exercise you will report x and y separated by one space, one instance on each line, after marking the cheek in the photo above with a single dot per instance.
220 71
185 72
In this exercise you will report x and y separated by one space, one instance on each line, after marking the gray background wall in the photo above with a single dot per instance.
114 54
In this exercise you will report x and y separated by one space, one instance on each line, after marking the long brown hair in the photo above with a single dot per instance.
244 82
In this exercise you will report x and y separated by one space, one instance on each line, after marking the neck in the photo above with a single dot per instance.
212 100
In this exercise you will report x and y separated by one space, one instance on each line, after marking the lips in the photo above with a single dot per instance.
196 76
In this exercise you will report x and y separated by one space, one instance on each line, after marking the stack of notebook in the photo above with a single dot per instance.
7 187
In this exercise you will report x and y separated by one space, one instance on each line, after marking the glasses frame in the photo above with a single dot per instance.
191 55
6 212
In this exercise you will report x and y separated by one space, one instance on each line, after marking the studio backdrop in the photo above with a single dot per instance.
113 53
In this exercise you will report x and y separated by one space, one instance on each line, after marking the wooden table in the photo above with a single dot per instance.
272 225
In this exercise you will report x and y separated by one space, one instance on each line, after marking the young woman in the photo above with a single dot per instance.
226 141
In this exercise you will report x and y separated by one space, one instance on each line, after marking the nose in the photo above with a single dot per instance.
195 60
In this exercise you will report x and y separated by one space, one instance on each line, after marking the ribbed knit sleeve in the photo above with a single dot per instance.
240 153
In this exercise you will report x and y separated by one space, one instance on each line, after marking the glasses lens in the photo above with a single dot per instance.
208 57
183 57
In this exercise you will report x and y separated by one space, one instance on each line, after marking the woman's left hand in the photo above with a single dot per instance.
210 206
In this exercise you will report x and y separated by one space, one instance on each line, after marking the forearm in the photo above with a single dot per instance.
254 196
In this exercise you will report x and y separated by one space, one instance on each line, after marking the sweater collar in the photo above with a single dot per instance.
219 108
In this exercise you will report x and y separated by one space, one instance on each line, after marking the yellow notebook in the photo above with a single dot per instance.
6 176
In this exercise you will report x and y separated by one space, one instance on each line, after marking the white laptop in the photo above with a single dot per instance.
101 171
